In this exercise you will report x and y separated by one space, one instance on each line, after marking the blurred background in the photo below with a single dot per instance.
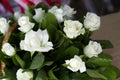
100 7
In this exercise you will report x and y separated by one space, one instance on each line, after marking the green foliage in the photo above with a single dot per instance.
19 60
101 60
63 74
79 76
37 62
105 44
70 52
11 73
1 38
43 6
41 75
52 75
52 32
109 73
49 18
2 56
30 12
117 70
49 65
95 74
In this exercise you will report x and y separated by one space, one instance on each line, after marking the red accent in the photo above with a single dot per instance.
7 6
49 2
28 2
58 1
22 9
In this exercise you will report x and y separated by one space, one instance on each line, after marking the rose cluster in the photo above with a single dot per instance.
54 41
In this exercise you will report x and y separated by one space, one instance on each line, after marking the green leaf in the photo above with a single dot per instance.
52 31
43 6
51 75
43 24
86 37
49 19
60 52
31 9
1 39
60 39
30 12
63 74
41 75
79 76
2 56
12 20
11 73
48 63
101 60
20 61
59 42
117 70
16 38
106 44
27 59
71 51
95 74
37 61
15 61
66 53
108 72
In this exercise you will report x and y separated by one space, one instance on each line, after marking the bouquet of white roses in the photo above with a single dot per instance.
46 43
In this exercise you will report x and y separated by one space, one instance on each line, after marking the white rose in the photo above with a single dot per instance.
39 14
68 12
17 15
25 24
58 12
24 75
5 79
92 21
92 49
76 64
73 28
8 49
36 41
3 25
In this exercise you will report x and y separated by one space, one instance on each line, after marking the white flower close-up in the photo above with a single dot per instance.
39 14
92 21
52 41
58 12
36 41
8 49
5 79
17 15
76 64
92 49
25 24
4 25
68 12
73 28
24 75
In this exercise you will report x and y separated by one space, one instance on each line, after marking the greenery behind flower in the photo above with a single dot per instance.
47 44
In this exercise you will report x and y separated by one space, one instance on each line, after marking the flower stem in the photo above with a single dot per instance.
8 34
5 40
2 66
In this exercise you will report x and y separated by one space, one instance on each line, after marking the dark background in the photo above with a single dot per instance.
100 7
